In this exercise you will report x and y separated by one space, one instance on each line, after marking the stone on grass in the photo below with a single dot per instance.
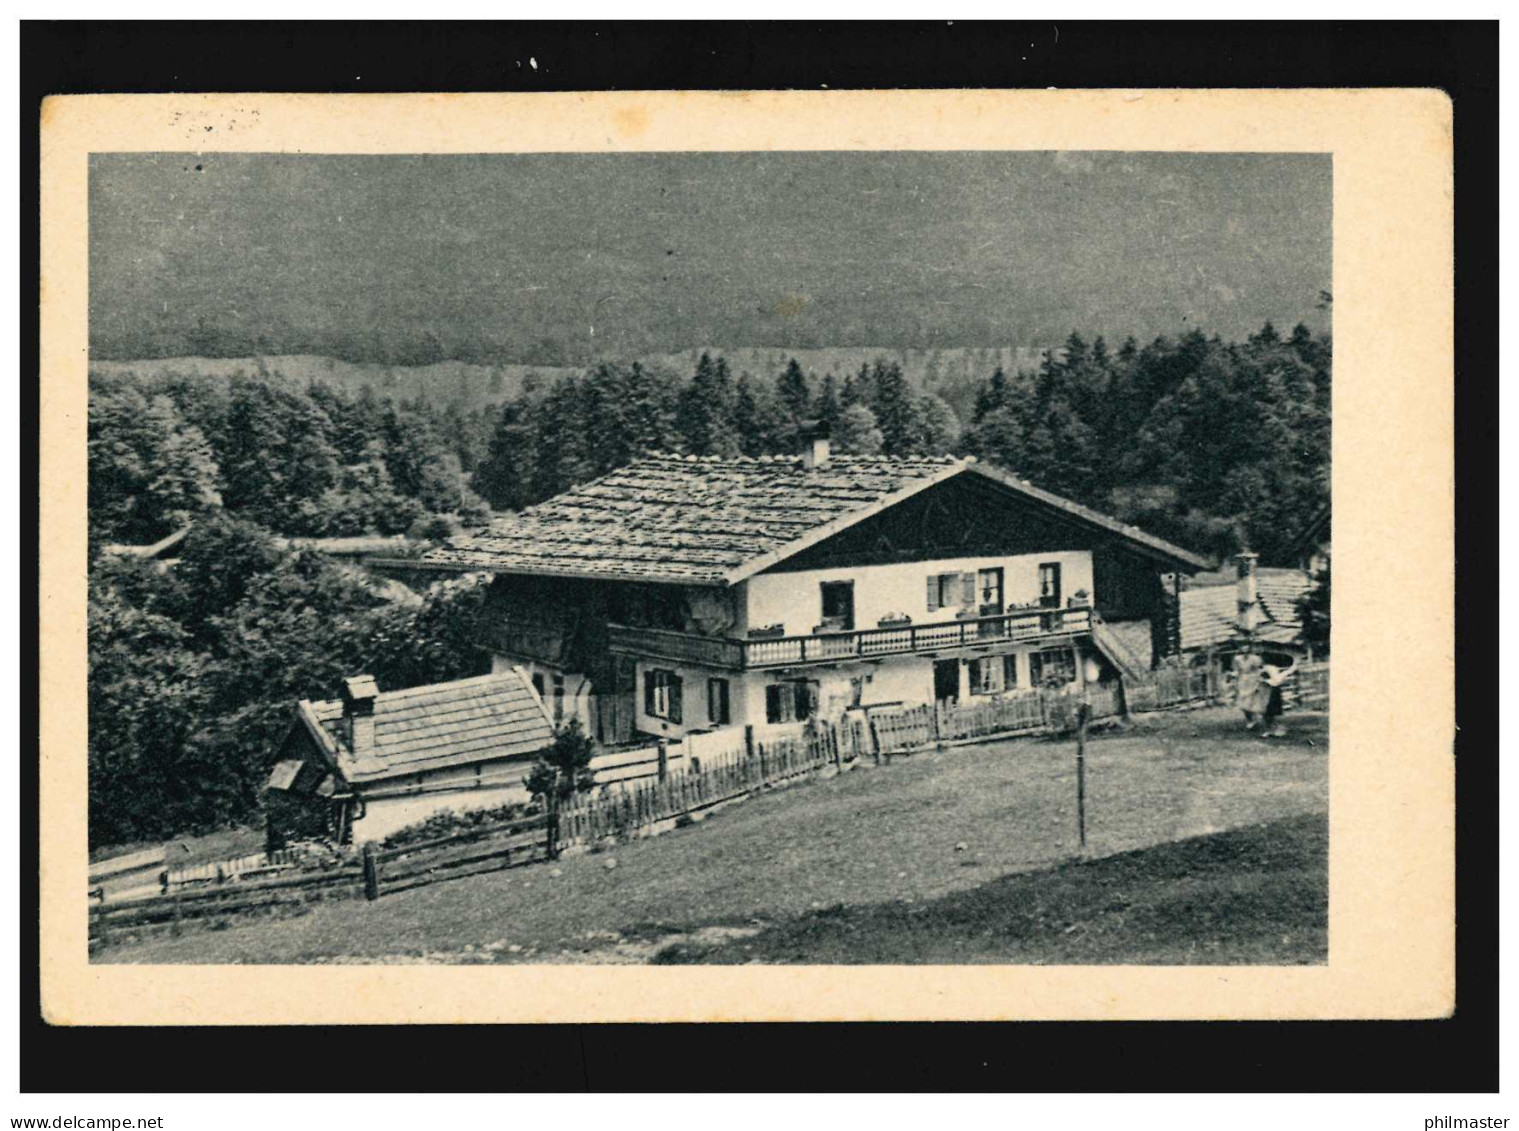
609 863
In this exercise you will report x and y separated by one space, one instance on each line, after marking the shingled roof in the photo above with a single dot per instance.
1210 608
711 521
436 726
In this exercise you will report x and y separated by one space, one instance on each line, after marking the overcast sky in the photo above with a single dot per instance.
600 254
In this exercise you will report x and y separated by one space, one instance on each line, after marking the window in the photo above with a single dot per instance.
838 604
558 698
538 683
989 587
1049 585
952 590
1009 671
986 675
661 694
776 696
1055 666
791 701
717 702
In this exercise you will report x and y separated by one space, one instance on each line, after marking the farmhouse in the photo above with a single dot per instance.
679 594
375 761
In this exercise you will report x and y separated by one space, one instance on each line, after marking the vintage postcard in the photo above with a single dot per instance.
752 556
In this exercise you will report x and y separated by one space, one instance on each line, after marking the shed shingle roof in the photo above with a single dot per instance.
710 521
437 726
1210 608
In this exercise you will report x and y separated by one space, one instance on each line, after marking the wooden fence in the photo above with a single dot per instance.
777 756
217 903
1307 688
1015 712
903 728
237 868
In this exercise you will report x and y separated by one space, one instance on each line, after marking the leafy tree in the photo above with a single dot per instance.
857 432
145 703
560 772
150 471
564 769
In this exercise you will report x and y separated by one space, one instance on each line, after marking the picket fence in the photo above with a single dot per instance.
749 760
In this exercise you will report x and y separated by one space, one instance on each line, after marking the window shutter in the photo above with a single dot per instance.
648 692
675 684
968 590
1010 670
933 592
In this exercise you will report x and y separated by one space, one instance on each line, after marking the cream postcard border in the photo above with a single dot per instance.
1392 785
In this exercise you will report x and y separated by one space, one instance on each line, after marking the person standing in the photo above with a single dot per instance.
1273 678
1248 688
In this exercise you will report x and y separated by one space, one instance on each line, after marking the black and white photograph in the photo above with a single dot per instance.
780 558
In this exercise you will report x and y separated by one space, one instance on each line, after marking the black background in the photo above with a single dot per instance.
1456 1054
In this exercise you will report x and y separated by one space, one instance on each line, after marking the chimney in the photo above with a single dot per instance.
359 693
1247 592
818 448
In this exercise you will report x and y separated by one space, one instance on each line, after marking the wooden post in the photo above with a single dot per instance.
551 825
664 758
371 872
1123 699
174 924
163 882
1082 713
103 923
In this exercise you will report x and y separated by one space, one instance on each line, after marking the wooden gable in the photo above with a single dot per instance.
963 517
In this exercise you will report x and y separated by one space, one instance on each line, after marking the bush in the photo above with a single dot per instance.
453 822
433 528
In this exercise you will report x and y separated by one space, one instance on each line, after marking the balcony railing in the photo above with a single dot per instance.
836 647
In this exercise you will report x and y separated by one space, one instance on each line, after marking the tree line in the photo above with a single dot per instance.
1217 445
305 461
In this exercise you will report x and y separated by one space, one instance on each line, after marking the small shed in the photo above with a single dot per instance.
1224 611
376 761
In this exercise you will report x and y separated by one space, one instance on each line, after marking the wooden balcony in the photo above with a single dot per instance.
1025 625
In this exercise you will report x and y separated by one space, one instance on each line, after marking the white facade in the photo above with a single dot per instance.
391 805
795 599
795 602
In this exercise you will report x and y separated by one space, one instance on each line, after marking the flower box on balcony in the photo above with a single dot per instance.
768 631
894 620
